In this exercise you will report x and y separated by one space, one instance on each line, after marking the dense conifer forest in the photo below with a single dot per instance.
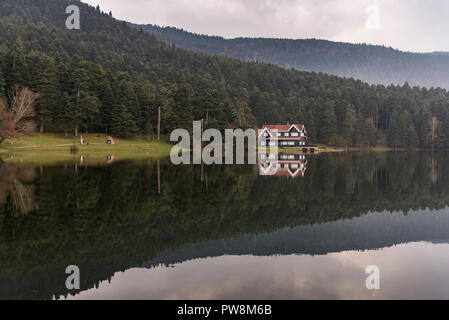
110 77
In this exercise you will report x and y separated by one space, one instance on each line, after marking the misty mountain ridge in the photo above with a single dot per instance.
374 64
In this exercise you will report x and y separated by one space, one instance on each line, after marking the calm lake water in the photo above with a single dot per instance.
151 230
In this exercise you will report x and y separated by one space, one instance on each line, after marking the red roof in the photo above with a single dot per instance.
281 172
286 173
282 127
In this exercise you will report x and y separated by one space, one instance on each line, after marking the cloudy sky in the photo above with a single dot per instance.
409 25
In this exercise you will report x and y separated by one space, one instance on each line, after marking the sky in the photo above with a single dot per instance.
340 276
408 25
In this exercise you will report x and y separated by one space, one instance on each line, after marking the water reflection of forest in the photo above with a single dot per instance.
110 218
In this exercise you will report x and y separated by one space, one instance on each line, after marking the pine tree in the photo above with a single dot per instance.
424 128
213 109
349 124
402 132
7 126
243 115
89 108
107 104
127 96
147 100
67 116
329 123
49 99
86 106
122 123
181 106
15 67
442 131
361 134
2 86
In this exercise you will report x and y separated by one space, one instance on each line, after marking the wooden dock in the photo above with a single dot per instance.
310 148
305 149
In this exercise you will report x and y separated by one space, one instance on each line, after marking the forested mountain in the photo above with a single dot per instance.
109 77
369 232
440 53
373 64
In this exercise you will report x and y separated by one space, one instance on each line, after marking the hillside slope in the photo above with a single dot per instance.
111 77
373 64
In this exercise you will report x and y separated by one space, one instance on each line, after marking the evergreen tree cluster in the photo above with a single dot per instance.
109 77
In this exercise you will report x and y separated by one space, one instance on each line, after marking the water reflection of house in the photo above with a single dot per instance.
290 165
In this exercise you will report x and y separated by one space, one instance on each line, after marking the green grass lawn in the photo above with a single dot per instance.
323 148
47 149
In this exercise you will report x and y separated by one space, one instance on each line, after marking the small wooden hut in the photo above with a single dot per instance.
110 140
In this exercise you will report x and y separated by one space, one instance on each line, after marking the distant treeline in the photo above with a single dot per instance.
109 77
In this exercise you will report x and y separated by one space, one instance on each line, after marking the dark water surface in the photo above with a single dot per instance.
151 230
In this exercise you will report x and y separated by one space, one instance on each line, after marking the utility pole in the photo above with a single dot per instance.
434 125
159 177
159 123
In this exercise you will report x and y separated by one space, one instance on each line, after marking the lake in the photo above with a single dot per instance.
152 230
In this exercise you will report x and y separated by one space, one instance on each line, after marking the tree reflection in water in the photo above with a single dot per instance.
112 217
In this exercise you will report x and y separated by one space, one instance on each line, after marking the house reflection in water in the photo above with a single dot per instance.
289 165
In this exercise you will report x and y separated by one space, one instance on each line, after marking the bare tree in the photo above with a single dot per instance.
13 182
23 197
22 110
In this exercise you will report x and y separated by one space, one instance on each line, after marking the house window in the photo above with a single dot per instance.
272 143
294 166
291 143
295 134
291 157
287 134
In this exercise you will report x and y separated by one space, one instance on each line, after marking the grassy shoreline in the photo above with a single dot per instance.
45 149
53 148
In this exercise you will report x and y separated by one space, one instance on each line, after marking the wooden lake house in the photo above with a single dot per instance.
285 136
